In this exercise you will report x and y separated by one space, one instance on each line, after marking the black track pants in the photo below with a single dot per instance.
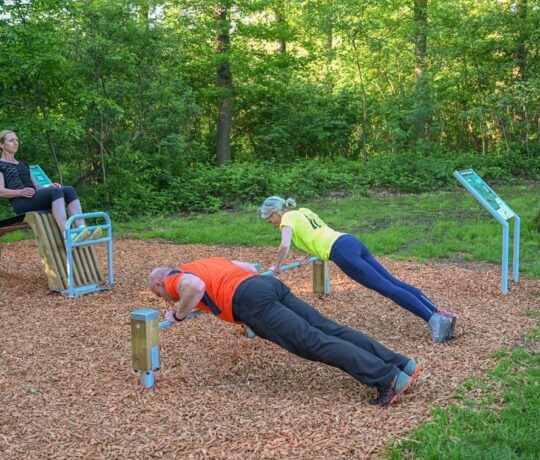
269 308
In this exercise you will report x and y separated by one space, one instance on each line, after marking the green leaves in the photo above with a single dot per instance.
92 83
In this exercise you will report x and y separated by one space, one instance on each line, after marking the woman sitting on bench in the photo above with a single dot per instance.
25 194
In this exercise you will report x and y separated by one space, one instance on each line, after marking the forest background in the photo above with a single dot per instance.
163 107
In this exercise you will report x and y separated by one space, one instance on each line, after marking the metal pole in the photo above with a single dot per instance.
288 267
517 228
505 239
192 314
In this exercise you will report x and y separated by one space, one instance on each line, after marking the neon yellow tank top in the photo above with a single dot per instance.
310 233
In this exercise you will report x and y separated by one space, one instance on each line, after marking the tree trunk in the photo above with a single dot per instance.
224 83
363 96
422 109
519 72
53 152
520 54
102 156
281 23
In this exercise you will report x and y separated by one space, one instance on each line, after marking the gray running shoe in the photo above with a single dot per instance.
390 394
412 368
454 320
440 327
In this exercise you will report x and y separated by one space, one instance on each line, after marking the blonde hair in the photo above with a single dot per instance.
275 204
3 135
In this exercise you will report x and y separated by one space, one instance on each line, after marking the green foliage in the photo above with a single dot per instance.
297 121
119 98
145 188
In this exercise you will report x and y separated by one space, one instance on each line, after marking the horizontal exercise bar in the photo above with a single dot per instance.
293 265
167 323
191 314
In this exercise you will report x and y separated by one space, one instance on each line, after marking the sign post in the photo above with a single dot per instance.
500 211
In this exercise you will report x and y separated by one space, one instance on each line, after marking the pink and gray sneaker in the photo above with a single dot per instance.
454 318
440 327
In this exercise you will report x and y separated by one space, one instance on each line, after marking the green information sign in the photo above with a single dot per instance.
481 188
40 176
501 212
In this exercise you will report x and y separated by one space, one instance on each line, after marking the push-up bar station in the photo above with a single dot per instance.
145 324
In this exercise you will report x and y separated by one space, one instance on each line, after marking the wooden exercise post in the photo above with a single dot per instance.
52 251
321 277
145 344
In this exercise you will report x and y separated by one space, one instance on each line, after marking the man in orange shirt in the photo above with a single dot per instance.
233 292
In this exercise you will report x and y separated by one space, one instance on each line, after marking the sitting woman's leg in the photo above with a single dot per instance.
73 204
58 208
45 199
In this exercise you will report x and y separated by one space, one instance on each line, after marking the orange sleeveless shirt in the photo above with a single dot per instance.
221 278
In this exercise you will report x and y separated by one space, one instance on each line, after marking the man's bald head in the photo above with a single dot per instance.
157 277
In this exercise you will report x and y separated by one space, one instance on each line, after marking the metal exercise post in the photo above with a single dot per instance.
72 290
321 277
145 326
145 344
501 212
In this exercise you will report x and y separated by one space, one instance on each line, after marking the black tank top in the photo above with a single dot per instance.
16 176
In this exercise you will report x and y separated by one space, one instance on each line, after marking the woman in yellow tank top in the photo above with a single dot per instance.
309 233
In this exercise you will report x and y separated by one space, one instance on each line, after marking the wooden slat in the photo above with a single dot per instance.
52 266
56 245
90 264
53 254
79 260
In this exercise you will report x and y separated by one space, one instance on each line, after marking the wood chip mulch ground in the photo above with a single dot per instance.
67 389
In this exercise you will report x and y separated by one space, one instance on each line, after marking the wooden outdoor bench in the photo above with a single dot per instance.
51 245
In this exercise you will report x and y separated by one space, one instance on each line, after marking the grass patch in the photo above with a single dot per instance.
440 225
18 235
496 417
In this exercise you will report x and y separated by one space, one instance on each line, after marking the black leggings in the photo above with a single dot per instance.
269 308
43 199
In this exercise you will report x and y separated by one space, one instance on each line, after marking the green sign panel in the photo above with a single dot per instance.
40 176
478 187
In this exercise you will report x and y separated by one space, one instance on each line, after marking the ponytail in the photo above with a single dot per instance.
275 204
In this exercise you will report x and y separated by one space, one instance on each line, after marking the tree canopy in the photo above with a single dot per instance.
118 94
